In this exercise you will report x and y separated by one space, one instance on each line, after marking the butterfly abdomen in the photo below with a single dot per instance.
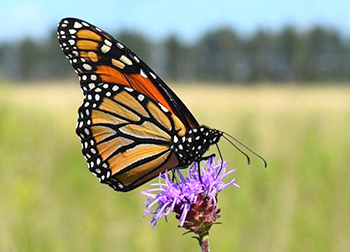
194 144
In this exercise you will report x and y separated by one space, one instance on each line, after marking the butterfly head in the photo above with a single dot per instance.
214 136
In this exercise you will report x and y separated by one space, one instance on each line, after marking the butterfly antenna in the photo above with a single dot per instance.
256 154
248 158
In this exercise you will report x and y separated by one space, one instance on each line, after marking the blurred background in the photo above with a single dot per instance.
274 74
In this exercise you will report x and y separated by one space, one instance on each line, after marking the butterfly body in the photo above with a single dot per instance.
132 126
191 148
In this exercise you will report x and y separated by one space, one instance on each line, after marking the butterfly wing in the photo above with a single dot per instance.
97 58
126 136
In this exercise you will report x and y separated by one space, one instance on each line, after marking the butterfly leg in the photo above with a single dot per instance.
199 172
174 179
198 165
173 176
208 157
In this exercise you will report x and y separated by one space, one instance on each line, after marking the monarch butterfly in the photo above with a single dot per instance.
132 126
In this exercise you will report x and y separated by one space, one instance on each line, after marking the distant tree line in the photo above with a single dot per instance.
221 55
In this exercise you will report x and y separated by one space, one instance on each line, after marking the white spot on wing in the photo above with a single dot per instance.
91 85
153 75
136 59
120 45
105 49
108 43
143 74
77 25
163 108
126 60
140 97
87 67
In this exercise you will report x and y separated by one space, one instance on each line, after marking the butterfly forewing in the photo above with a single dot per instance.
98 57
126 136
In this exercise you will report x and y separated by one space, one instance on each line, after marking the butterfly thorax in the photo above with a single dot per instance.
194 144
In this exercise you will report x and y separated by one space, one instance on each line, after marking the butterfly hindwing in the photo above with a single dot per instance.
126 136
97 57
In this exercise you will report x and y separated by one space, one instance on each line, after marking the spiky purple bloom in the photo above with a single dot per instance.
194 200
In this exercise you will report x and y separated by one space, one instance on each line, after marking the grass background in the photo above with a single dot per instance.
50 202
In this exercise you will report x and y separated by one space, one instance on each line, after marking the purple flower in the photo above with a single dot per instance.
192 198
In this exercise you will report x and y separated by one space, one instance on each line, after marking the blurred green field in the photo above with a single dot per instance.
50 202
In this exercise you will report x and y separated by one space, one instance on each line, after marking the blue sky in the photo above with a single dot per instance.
157 18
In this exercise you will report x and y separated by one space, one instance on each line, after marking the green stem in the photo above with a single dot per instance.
204 242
